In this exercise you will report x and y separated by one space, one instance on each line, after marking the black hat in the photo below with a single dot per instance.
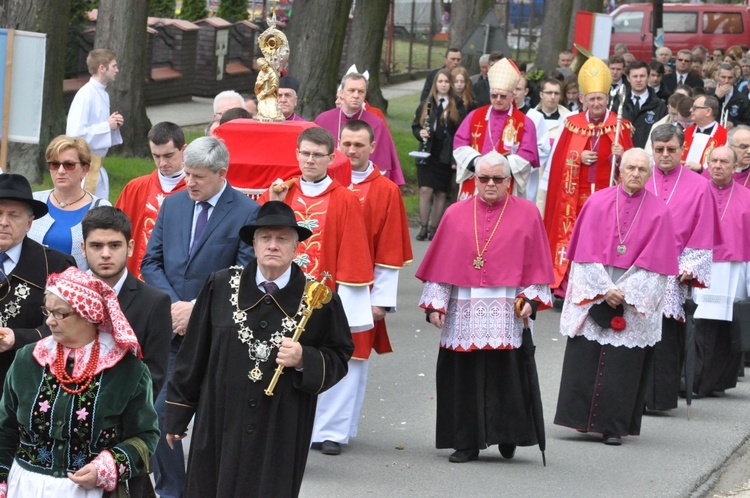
273 214
289 82
603 314
17 188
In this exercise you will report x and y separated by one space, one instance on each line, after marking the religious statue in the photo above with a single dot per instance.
275 48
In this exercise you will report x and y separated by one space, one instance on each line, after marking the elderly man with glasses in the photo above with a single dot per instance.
501 127
479 302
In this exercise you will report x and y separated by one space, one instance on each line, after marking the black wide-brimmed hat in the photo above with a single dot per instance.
273 214
17 188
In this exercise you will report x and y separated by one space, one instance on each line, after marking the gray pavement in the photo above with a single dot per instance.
394 453
199 110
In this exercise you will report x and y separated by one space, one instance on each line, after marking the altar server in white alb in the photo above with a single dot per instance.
90 119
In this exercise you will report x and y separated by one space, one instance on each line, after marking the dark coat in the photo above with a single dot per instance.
670 82
440 143
650 112
35 264
428 83
245 443
737 108
481 92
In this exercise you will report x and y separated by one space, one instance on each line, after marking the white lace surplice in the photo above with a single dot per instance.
696 262
644 294
480 317
729 284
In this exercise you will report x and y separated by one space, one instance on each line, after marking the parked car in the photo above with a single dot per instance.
685 26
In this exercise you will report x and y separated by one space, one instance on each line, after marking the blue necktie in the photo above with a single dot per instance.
3 258
270 287
200 223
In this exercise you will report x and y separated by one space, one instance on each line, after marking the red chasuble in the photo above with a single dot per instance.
339 243
570 181
478 130
390 246
141 200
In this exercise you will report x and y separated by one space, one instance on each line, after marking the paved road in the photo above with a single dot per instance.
394 453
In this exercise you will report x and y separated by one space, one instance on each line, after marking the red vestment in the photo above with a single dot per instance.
141 200
570 182
338 244
718 138
390 246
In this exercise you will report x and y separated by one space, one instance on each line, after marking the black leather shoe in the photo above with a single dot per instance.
508 451
463 456
422 235
612 440
316 446
431 233
330 448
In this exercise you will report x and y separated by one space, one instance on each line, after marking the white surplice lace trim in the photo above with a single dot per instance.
479 323
435 296
644 293
697 262
674 297
538 292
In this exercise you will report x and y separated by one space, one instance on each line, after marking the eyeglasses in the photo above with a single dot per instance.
699 107
551 93
500 96
670 150
68 165
741 146
495 179
684 60
316 156
57 315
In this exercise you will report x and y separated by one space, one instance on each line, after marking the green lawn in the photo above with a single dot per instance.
400 115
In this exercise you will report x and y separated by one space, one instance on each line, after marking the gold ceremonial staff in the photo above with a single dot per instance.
316 295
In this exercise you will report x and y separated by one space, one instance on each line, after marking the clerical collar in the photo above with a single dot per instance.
524 109
499 201
742 169
350 116
597 120
312 189
553 115
707 130
168 183
360 176
722 187
670 172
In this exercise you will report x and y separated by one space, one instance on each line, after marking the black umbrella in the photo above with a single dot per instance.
532 379
690 308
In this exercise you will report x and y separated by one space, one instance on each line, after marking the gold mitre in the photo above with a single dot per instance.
504 75
594 77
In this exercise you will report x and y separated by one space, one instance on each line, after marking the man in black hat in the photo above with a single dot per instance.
288 88
24 267
245 442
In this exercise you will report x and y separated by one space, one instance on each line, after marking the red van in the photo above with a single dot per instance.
685 26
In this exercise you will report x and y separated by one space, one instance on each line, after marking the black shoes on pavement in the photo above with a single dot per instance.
508 451
463 456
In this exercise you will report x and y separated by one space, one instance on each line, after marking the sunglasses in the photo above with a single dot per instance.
68 165
670 150
495 179
499 96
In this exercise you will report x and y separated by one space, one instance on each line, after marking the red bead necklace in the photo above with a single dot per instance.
86 376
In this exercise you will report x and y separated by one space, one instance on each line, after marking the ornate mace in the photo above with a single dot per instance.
316 295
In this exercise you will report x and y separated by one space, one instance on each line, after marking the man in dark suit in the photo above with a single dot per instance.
107 245
681 75
24 268
452 61
734 105
641 105
196 234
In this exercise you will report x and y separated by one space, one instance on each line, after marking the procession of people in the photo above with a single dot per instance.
250 322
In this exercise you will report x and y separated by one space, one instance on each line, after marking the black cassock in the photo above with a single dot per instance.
245 443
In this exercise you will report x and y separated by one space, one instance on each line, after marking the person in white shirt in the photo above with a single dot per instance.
89 116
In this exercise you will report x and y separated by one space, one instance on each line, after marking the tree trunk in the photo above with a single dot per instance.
51 18
316 33
121 26
465 17
365 45
555 37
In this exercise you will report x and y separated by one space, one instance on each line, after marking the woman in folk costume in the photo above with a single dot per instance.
499 126
77 416
435 123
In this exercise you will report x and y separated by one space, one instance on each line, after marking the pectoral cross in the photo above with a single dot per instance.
478 262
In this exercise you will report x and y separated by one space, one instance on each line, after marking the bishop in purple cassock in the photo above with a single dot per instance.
488 252
688 197
717 362
353 93
622 250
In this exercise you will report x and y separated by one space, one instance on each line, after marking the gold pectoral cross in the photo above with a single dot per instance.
478 262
